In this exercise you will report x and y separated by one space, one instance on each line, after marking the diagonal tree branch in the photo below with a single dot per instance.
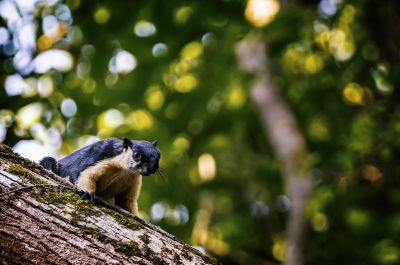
54 226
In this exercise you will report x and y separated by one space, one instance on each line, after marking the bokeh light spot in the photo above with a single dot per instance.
319 130
44 42
3 132
358 219
111 80
371 173
28 115
354 93
236 97
59 60
207 167
123 62
68 107
386 252
155 98
158 211
63 14
31 149
109 120
15 85
183 213
313 63
381 81
45 86
159 50
259 209
183 14
140 120
186 83
21 60
89 86
261 12
50 26
101 15
144 28
283 203
73 4
320 222
327 7
279 249
207 38
6 117
4 36
341 44
9 11
192 50
180 145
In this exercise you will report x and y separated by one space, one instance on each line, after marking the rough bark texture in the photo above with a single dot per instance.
43 221
286 140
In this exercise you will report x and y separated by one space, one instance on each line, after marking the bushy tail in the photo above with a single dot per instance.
49 163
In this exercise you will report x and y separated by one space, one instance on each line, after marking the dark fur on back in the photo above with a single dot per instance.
73 164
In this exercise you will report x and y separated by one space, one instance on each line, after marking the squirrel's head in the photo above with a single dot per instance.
145 156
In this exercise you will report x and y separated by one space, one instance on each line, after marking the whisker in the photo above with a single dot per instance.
162 170
160 174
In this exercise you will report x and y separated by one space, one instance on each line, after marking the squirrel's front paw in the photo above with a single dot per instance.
90 196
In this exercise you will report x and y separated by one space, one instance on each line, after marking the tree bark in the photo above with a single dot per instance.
286 141
43 221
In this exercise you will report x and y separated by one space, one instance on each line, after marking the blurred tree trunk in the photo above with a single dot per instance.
286 141
42 221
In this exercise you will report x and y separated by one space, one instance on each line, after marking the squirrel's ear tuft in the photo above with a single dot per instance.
127 143
154 143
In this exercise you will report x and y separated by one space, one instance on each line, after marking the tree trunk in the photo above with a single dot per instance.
286 141
43 221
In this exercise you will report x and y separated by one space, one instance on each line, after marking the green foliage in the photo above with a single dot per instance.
337 68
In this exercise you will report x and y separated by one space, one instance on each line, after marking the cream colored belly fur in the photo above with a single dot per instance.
112 180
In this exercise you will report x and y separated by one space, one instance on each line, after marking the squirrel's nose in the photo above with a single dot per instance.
152 167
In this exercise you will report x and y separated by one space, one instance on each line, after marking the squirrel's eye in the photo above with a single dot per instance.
137 156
